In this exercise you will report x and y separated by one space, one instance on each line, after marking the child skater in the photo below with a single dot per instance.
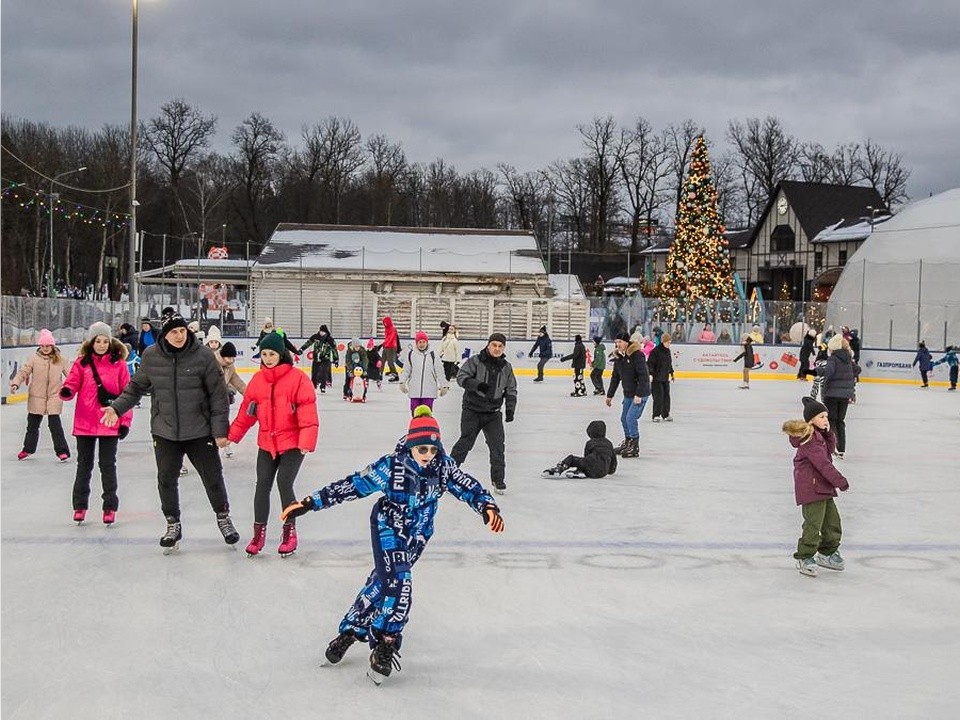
354 357
579 364
816 482
422 374
950 358
599 459
597 365
374 363
44 371
925 361
283 400
98 376
412 479
747 356
819 363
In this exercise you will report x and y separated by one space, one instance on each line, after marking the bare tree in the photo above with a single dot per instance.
260 149
884 171
765 155
644 168
334 154
570 184
604 144
525 196
386 165
814 162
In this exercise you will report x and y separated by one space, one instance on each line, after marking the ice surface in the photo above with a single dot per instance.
665 591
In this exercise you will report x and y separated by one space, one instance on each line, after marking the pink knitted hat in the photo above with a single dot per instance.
421 335
46 338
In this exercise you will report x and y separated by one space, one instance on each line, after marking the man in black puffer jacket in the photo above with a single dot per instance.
599 459
488 381
189 415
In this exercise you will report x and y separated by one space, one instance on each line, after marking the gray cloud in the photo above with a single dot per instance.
501 81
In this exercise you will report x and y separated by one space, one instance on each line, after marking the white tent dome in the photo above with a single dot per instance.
903 284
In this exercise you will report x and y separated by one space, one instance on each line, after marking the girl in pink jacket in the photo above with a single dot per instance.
98 375
44 372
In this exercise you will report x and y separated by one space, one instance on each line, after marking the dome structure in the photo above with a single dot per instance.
903 284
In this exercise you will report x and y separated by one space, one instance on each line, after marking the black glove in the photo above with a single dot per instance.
482 388
66 393
123 432
297 509
509 417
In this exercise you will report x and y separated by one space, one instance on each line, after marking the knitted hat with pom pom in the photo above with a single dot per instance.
424 428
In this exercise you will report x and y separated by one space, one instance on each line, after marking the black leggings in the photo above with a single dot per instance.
837 413
284 468
32 436
86 445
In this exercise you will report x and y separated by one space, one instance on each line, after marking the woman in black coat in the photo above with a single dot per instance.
579 358
806 352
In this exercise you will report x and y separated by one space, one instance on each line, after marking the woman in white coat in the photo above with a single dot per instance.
422 375
450 351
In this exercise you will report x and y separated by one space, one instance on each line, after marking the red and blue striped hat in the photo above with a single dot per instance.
424 428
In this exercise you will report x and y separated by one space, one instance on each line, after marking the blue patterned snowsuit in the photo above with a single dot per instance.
401 524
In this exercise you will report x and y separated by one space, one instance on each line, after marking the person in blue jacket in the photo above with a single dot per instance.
544 345
925 361
412 479
950 358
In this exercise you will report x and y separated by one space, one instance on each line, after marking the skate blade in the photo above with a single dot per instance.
500 491
376 677
288 554
172 549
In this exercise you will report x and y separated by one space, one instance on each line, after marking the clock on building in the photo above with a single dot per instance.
782 206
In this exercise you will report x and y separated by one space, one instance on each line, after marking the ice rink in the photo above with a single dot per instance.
665 591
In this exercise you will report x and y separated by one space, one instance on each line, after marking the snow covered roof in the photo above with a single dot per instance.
566 286
403 250
846 230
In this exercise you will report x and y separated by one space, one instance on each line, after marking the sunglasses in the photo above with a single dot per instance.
426 449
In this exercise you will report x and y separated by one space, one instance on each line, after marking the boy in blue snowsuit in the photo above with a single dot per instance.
412 479
950 358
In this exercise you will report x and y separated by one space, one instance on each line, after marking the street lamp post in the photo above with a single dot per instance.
53 197
132 284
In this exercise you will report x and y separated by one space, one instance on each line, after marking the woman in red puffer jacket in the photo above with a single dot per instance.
283 400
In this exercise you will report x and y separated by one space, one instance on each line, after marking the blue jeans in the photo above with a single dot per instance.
630 416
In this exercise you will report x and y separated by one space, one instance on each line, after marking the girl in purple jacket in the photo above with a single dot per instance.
816 482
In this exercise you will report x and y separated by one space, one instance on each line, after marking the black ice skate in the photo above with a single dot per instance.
499 487
383 659
338 647
554 472
171 539
230 534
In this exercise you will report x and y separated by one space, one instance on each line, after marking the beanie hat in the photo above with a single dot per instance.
355 342
370 344
836 342
421 335
99 328
497 337
273 341
46 338
812 408
193 326
171 321
145 320
597 339
424 428
214 334
543 328
228 350
625 337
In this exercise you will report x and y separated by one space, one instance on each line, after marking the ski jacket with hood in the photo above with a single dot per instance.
391 341
924 358
45 378
630 369
814 476
839 375
578 356
282 400
599 459
112 369
423 373
660 364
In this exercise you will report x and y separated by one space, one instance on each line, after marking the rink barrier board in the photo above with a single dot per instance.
691 361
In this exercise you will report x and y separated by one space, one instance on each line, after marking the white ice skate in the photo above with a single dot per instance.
831 562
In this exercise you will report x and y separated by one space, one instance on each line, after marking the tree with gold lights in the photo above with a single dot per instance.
698 264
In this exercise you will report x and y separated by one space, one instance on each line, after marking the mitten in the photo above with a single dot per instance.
123 432
66 393
492 519
443 391
482 388
295 510
403 388
509 417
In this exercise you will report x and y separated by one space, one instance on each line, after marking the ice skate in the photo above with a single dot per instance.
554 472
184 470
79 516
633 448
338 648
171 539
230 534
668 418
656 419
23 455
109 517
621 447
63 457
807 566
228 452
573 473
383 659
288 541
499 487
831 562
259 539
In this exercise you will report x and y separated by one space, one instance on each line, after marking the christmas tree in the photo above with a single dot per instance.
698 264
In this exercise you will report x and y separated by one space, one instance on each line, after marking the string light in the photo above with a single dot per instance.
27 197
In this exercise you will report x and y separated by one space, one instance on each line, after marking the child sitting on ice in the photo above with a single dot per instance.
599 459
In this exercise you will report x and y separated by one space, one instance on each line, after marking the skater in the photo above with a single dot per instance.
544 345
391 346
422 375
806 352
282 400
579 363
748 360
197 331
354 357
147 336
190 416
489 384
128 335
325 355
97 377
44 372
660 365
227 357
412 479
599 459
839 384
706 335
950 358
815 482
450 352
630 369
924 359
818 364
374 363
213 339
598 364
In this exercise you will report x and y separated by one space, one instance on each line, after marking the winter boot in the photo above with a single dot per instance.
259 539
171 539
288 541
338 647
383 659
230 534
633 448
621 447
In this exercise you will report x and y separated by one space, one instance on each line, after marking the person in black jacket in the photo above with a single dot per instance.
599 459
189 415
579 358
806 352
839 387
544 345
630 369
324 355
660 364
488 381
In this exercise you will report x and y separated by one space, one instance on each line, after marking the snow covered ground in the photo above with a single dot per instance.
665 591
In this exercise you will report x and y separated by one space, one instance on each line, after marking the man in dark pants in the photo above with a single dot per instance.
544 345
189 415
488 381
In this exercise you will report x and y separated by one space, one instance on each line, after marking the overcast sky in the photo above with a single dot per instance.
478 83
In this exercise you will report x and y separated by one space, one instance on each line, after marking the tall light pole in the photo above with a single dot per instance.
53 197
132 283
